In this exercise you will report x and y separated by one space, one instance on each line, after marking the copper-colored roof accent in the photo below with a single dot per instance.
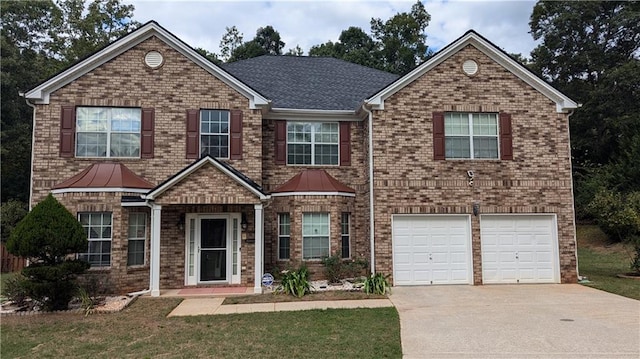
105 175
313 181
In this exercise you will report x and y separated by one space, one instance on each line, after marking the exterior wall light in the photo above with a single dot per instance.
244 224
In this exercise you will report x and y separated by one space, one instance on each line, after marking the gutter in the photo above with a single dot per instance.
371 209
33 141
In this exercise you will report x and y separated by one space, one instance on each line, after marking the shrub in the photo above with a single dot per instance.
48 235
11 213
336 268
13 289
296 282
376 284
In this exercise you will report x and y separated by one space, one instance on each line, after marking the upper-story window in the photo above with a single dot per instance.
471 135
108 132
313 143
214 133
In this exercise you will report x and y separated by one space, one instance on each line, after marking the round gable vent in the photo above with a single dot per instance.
153 59
470 67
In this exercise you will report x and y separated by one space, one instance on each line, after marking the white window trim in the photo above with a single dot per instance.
144 239
328 236
108 154
280 236
99 240
228 134
471 136
312 144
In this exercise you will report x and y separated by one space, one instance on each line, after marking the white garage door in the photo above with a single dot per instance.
519 249
431 250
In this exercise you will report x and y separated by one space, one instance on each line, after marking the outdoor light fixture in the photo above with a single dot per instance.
476 209
244 224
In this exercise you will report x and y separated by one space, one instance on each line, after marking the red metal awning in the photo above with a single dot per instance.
313 181
106 175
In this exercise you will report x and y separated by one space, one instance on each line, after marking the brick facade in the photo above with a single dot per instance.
407 180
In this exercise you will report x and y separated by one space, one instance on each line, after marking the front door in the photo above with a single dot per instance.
213 249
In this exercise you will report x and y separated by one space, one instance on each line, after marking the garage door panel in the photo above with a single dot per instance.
439 247
518 249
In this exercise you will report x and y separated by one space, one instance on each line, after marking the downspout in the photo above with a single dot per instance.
148 290
371 210
573 202
33 137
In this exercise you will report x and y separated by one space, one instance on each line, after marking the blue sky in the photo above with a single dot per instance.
307 23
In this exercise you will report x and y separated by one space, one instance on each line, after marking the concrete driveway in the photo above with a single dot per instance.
516 321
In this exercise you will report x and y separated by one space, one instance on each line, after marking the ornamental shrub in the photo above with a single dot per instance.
49 235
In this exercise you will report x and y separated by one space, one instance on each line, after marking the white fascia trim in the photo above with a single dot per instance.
158 191
285 194
98 190
311 115
40 94
134 204
563 103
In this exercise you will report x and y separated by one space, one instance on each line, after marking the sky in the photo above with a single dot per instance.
308 22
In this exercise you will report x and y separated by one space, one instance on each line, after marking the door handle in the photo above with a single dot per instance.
517 255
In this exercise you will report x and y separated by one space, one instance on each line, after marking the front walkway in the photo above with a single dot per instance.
213 306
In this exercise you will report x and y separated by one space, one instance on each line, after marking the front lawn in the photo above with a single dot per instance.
600 261
143 330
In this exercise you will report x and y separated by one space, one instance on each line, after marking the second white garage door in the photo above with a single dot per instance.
519 249
431 249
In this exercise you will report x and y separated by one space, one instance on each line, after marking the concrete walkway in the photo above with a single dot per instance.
213 306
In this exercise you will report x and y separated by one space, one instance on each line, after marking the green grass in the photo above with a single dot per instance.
142 330
600 261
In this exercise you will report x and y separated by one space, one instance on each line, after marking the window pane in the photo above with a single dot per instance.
326 155
457 147
299 154
91 145
125 145
315 247
326 132
108 132
215 145
485 147
214 122
456 124
285 224
315 224
97 226
485 124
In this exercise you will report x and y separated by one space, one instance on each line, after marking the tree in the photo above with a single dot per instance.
402 39
296 51
591 51
266 42
209 55
48 235
396 45
38 39
11 213
231 40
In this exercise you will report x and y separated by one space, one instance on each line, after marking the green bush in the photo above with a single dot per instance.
377 284
296 282
336 268
13 289
49 235
11 212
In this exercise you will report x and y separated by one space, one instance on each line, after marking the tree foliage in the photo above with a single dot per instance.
591 51
266 42
396 45
231 40
11 213
38 39
48 235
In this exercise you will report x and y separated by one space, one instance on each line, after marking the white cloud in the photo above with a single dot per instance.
308 23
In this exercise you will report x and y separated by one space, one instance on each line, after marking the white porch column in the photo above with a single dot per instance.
259 245
154 271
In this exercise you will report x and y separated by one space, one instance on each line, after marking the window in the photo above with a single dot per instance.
284 236
345 238
312 143
214 133
97 226
108 132
315 235
137 237
471 135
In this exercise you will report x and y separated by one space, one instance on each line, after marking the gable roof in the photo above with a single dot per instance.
224 167
316 83
563 102
104 177
40 94
313 182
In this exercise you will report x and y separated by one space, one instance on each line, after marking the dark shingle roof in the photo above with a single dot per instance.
319 83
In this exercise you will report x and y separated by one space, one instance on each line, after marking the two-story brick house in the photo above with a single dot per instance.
185 173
